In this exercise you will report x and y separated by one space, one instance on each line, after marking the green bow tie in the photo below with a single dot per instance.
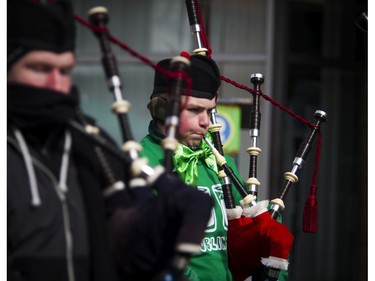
186 161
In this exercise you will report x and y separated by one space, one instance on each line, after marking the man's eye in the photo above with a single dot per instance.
66 71
194 110
40 68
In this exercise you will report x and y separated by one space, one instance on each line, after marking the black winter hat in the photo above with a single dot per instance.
204 73
39 25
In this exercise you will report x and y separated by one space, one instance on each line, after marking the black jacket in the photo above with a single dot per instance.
37 235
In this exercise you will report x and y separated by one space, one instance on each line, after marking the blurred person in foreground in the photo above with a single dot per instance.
63 220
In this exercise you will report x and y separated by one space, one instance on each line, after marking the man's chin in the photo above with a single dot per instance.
195 143
192 143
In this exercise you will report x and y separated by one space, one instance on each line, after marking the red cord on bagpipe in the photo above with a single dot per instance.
144 59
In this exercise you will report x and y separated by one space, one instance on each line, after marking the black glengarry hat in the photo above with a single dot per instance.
204 73
39 25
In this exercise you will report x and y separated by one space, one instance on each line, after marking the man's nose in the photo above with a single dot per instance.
55 80
204 120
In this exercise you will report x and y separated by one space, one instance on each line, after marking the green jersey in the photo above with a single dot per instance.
212 263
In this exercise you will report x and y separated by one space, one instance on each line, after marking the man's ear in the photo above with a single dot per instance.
158 108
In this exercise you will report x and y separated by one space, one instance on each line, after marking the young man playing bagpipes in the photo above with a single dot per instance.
193 159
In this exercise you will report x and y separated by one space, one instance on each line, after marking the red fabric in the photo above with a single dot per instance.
250 239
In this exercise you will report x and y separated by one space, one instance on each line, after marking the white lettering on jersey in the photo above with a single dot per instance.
218 243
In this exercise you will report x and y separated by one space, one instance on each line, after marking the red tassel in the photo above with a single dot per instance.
310 213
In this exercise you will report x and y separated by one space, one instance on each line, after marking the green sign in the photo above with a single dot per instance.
229 116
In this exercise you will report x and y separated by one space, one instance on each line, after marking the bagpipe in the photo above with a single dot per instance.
152 236
258 245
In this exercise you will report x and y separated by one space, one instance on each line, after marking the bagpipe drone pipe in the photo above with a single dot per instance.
152 236
258 245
